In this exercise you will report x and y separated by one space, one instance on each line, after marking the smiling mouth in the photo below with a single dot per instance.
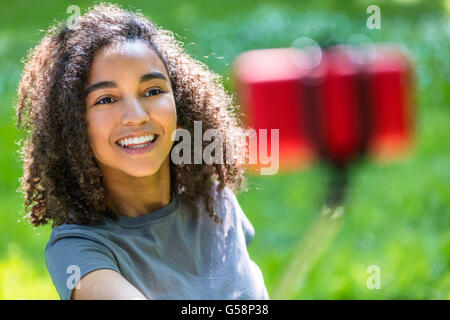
136 145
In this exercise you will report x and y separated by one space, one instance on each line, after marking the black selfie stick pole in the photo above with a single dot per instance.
318 238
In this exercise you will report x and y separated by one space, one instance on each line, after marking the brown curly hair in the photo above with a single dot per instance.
61 179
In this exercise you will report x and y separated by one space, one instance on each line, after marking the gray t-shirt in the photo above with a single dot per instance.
166 254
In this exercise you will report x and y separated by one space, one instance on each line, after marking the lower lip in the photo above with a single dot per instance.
136 151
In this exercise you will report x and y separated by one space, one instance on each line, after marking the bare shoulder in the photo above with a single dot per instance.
105 284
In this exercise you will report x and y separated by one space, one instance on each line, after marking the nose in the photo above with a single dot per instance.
134 113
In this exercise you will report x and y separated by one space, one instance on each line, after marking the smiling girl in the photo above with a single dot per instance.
99 102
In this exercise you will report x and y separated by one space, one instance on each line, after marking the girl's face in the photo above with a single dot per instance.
130 109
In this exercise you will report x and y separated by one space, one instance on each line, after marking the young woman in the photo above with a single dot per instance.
100 101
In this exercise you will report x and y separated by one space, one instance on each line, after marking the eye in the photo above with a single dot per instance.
105 100
152 92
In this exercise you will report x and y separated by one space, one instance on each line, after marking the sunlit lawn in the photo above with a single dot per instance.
398 214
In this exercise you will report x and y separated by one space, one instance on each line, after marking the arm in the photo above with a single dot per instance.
105 284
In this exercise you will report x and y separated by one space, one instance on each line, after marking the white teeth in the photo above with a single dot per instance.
137 140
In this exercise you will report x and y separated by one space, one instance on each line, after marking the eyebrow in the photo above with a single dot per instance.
109 84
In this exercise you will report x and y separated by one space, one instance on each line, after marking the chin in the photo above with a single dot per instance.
141 172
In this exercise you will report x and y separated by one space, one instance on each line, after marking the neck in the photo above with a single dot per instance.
136 196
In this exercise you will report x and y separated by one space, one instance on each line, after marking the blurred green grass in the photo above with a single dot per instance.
398 214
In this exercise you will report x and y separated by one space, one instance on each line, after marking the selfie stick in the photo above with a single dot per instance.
318 239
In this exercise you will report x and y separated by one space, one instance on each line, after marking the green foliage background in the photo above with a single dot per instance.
397 215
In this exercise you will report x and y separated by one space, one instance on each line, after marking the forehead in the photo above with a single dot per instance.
126 57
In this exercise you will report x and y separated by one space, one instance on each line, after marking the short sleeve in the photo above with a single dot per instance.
71 257
249 230
242 220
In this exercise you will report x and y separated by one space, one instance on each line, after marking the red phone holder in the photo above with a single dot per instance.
355 101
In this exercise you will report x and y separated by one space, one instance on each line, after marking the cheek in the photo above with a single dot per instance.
166 114
171 126
173 114
99 128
